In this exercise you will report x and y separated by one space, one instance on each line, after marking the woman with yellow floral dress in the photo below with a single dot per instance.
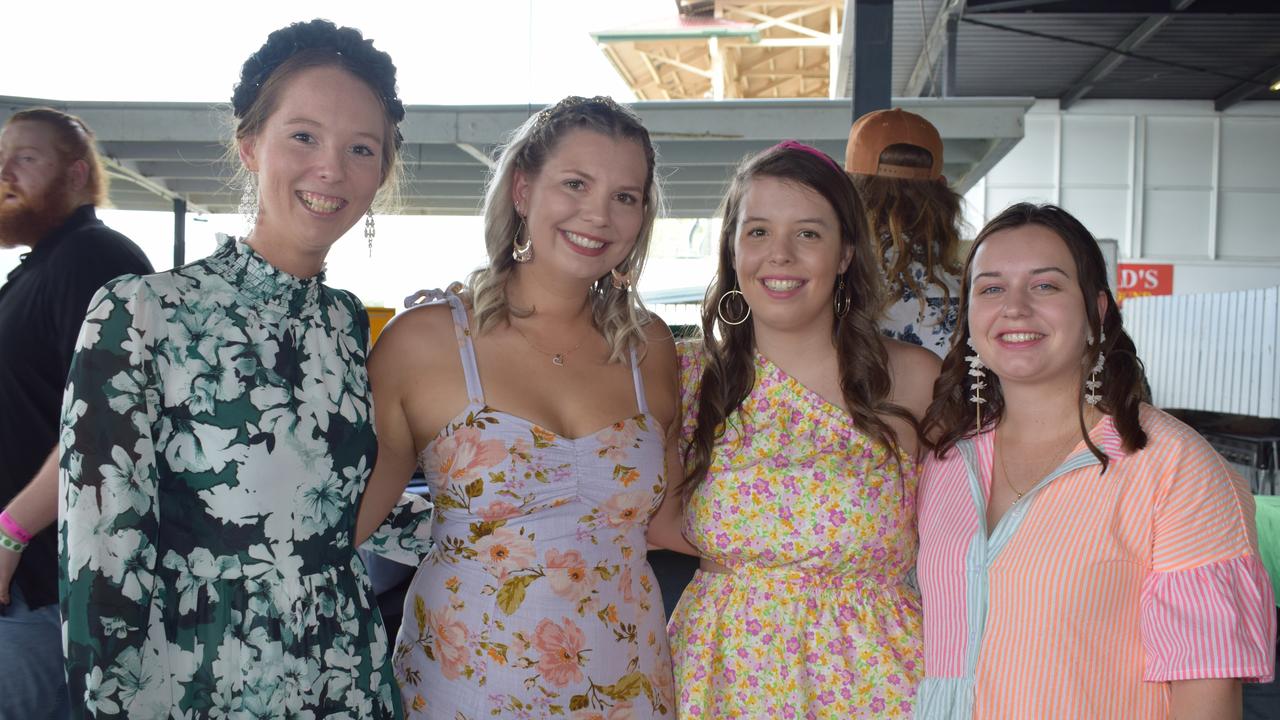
536 404
799 429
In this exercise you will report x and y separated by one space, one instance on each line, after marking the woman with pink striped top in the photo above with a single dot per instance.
1082 554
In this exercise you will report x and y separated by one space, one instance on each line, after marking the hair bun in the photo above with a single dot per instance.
359 56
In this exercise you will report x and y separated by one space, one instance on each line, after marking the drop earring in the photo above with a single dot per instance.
369 230
521 253
620 280
976 371
249 202
1093 386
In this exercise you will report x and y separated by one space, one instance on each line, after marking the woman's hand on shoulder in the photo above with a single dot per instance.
914 371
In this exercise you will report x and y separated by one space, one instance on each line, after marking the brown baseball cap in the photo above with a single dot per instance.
875 131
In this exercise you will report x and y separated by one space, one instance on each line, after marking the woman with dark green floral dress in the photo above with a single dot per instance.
217 433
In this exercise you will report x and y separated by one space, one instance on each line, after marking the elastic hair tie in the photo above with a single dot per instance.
797 145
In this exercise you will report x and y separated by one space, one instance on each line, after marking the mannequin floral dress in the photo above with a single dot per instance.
216 440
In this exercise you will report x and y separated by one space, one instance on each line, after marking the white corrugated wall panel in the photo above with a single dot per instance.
1212 352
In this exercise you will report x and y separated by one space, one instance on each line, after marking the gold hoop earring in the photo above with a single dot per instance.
620 280
720 307
521 253
841 309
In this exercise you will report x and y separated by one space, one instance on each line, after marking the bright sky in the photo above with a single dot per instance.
447 53
461 52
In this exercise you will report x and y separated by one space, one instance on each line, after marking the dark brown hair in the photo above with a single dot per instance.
312 44
918 219
951 416
728 373
74 141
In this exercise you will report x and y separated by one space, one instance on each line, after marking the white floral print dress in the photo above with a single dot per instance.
216 440
927 319
537 599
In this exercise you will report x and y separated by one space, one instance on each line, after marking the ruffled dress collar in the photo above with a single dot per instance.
260 281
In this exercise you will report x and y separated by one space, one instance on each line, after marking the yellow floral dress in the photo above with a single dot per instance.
816 618
537 600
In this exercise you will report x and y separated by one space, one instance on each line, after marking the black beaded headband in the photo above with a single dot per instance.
360 56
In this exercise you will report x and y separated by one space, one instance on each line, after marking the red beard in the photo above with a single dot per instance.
28 220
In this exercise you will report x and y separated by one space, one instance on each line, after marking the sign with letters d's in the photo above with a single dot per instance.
1141 279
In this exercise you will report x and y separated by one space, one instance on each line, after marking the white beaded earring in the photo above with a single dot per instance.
976 368
1093 386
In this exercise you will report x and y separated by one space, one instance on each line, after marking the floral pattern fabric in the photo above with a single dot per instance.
537 600
816 524
926 320
216 440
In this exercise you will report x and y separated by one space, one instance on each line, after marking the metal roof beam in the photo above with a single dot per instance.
673 62
1063 8
784 21
117 169
992 6
843 74
699 142
1135 39
935 41
477 153
1246 89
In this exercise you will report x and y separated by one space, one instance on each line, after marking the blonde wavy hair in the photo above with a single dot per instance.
619 315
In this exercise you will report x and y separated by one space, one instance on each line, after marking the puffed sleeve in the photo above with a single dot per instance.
108 512
1207 605
405 536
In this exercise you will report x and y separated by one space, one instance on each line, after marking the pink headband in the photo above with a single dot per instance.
797 145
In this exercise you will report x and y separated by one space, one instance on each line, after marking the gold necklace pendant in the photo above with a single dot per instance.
997 451
557 358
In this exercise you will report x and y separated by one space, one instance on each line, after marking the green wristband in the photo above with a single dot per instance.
9 543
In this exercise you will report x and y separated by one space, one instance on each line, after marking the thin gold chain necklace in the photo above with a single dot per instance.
1005 469
557 358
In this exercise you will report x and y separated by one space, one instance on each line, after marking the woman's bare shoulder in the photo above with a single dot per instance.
914 371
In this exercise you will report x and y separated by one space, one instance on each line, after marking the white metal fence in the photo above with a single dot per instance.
1213 352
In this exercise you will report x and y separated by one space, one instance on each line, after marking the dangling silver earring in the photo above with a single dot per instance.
369 230
620 280
720 306
249 202
976 368
1093 386
841 309
521 253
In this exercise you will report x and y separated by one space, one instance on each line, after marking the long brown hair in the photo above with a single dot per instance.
918 219
952 416
728 373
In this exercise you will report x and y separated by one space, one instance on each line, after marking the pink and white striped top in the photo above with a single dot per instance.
1095 590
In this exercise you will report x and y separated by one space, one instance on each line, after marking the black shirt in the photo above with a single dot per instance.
42 306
